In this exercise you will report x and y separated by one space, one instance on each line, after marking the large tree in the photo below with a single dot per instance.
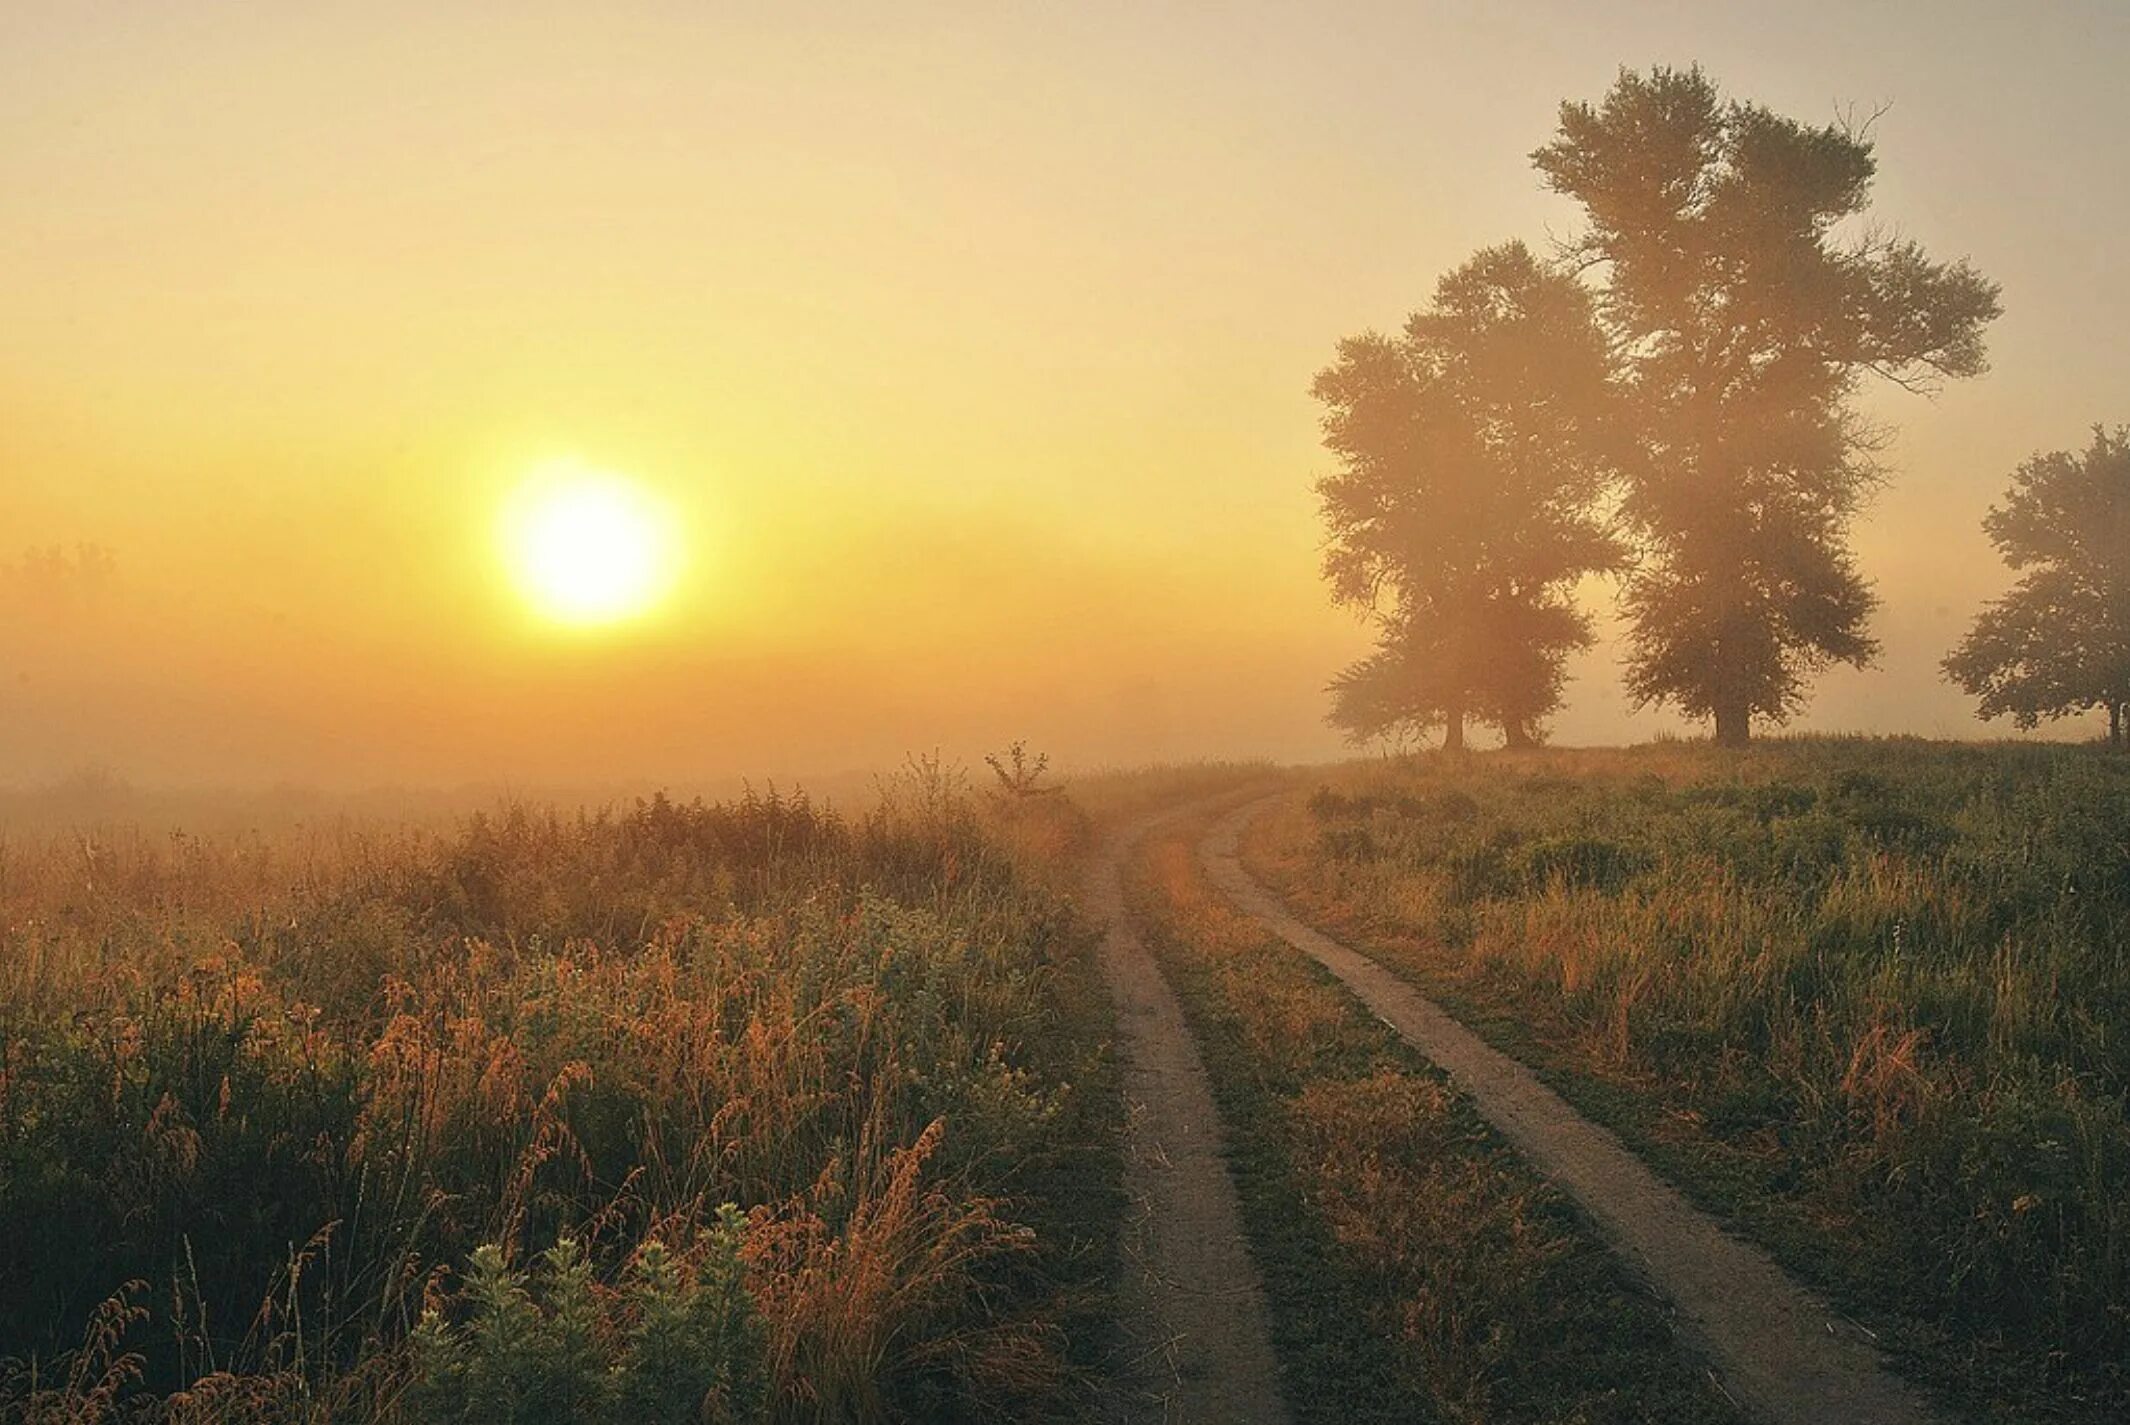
1470 456
1746 304
2059 642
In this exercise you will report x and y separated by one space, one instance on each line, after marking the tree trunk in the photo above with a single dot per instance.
1453 730
2115 725
1517 736
1734 723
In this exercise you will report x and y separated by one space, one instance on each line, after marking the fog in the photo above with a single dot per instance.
971 352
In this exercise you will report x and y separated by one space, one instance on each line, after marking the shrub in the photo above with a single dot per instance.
680 1342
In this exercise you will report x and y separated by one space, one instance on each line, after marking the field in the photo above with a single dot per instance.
1865 997
762 1111
1417 1271
552 1119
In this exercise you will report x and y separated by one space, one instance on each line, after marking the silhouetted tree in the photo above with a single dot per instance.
1744 321
1470 454
55 580
2059 642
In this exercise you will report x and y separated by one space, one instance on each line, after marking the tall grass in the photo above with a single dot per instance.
1416 1269
262 1102
1881 983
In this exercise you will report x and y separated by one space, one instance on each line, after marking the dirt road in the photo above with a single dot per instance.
1198 1345
1779 1352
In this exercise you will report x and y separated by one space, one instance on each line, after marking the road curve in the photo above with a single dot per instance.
1779 1351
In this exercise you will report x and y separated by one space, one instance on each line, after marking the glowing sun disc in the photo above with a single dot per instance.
588 546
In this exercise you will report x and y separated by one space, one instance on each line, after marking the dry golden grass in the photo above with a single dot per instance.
876 1037
1869 994
1416 1269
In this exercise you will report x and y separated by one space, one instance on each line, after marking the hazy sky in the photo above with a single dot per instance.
970 344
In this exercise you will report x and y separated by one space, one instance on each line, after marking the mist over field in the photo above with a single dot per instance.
1256 713
969 349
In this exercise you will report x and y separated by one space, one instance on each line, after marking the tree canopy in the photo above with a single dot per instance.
1745 309
1471 452
2059 642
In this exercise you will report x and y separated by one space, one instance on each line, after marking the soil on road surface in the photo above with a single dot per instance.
1197 1338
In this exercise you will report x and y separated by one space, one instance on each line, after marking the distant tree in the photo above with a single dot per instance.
53 580
1745 320
2059 642
1471 457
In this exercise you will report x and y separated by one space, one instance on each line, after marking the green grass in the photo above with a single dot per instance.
264 1103
1416 1270
1866 997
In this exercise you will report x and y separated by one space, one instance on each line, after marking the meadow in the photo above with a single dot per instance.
1416 1269
761 1111
750 1108
1865 998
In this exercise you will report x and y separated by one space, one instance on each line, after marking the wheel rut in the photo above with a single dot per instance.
1197 1333
1779 1351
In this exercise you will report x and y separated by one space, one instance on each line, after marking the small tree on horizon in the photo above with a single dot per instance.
2059 642
1470 452
1745 320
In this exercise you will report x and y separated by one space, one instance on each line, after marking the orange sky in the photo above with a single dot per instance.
970 343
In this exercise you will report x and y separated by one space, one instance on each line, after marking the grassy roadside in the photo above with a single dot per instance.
1856 998
443 1127
1415 1268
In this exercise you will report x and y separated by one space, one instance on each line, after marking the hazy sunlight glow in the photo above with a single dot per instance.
588 547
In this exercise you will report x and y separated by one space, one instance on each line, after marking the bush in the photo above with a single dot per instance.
679 1343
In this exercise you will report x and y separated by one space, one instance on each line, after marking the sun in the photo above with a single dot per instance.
588 547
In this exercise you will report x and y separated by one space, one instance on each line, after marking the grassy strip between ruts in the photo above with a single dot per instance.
1853 996
1416 1269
